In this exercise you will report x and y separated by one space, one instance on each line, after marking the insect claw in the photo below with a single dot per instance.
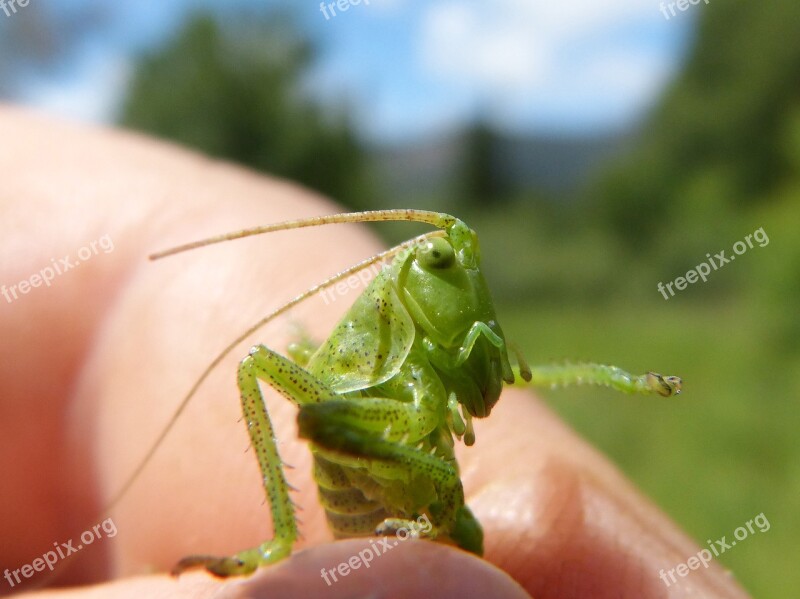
469 435
664 385
524 368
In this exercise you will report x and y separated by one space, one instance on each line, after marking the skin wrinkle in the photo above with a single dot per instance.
152 327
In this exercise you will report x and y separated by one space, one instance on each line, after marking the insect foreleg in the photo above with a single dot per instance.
453 362
557 375
300 387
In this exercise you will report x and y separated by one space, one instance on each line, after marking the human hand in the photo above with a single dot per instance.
94 364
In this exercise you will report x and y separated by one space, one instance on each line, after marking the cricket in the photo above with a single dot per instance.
384 398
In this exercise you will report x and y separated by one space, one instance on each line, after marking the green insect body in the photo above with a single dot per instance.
382 401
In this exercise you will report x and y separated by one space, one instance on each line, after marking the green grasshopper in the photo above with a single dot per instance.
418 355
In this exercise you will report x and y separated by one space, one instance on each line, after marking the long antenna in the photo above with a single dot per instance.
437 219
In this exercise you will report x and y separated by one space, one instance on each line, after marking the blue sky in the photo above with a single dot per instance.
417 68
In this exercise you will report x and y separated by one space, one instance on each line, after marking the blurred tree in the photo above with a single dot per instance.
234 92
723 120
478 179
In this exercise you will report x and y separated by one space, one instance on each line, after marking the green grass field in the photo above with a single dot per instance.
713 458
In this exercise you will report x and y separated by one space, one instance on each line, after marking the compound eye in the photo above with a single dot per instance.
436 253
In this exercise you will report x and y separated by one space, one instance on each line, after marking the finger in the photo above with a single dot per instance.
94 364
199 493
345 569
557 515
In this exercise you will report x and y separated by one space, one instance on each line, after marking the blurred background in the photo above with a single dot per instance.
598 150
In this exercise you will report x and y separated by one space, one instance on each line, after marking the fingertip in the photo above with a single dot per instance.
366 567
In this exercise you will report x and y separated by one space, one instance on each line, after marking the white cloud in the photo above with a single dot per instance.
458 43
576 17
517 55
636 75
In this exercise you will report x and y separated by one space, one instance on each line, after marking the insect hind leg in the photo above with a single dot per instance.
450 518
300 387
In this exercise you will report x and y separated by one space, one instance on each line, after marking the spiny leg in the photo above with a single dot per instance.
407 422
609 376
300 387
390 419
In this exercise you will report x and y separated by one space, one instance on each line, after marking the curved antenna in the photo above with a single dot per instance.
437 219
241 337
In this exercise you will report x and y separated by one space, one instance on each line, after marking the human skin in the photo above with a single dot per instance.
92 366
